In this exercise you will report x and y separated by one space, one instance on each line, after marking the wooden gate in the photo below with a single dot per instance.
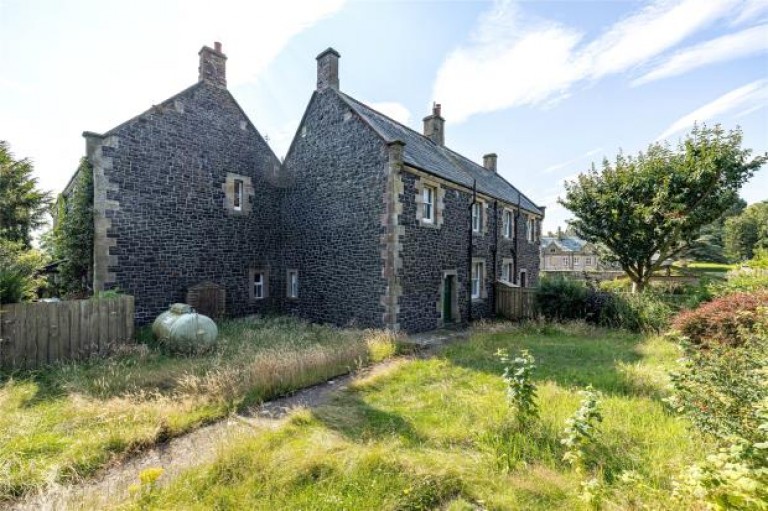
515 302
208 299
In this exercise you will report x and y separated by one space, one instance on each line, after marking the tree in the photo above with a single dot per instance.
649 208
747 232
23 208
710 245
71 242
18 272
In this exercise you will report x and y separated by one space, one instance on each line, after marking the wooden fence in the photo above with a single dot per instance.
515 303
35 334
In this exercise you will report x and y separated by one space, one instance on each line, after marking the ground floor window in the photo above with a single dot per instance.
507 271
478 275
258 284
293 284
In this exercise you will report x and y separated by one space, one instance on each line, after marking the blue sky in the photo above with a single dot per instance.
549 86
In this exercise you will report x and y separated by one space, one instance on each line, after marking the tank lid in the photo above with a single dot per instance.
181 308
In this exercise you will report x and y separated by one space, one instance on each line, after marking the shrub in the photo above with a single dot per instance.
641 312
719 387
561 299
18 279
521 390
580 429
724 320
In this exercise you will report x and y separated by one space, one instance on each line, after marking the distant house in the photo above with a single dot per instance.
365 222
568 254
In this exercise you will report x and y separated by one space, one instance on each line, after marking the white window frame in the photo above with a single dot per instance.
237 199
259 282
509 224
478 279
477 217
531 228
428 195
292 284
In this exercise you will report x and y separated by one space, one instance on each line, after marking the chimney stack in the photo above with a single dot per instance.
328 70
213 66
489 161
434 126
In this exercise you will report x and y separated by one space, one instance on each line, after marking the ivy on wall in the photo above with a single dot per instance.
73 234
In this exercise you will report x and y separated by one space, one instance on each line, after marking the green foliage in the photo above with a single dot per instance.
724 391
710 245
645 312
581 428
72 238
560 299
521 390
718 387
18 267
649 208
747 232
23 208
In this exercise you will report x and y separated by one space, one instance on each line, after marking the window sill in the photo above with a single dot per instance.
428 225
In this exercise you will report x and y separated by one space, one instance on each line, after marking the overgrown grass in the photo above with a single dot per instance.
69 420
435 434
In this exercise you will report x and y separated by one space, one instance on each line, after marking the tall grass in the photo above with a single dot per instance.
434 434
65 422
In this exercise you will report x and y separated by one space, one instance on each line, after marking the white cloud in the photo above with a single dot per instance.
392 109
515 59
751 11
748 42
748 97
565 164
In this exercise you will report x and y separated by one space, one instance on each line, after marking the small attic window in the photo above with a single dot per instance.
238 197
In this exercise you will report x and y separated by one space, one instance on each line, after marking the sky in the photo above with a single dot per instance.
550 86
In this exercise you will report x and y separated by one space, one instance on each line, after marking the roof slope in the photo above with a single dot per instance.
423 153
564 244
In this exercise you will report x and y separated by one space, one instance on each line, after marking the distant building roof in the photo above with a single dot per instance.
564 243
421 152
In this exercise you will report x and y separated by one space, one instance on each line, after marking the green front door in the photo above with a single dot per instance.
448 299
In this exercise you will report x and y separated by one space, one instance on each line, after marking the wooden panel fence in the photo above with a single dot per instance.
33 335
515 303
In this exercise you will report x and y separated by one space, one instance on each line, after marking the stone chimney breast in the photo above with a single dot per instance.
489 161
328 70
213 66
434 126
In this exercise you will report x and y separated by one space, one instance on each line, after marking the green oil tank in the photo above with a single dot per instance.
183 330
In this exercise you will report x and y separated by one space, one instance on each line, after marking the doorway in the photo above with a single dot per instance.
449 303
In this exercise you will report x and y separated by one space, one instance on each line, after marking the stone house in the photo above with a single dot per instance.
566 254
365 222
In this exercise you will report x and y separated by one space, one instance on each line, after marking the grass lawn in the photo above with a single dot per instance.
435 434
65 422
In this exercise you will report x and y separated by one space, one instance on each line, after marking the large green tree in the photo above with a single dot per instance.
747 232
649 208
23 207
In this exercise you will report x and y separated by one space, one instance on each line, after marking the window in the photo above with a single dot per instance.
507 271
533 229
509 224
428 196
587 261
477 217
577 261
238 198
258 286
523 278
478 271
292 290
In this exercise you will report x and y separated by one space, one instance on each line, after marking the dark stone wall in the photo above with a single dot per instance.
427 252
172 228
332 215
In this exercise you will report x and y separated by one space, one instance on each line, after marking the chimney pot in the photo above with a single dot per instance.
489 161
434 126
213 66
328 70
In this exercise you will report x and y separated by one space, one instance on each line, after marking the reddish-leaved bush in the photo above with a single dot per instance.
721 321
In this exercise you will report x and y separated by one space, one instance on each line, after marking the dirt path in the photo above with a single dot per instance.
202 445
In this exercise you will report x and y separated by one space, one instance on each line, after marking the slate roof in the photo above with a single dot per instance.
563 243
421 152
